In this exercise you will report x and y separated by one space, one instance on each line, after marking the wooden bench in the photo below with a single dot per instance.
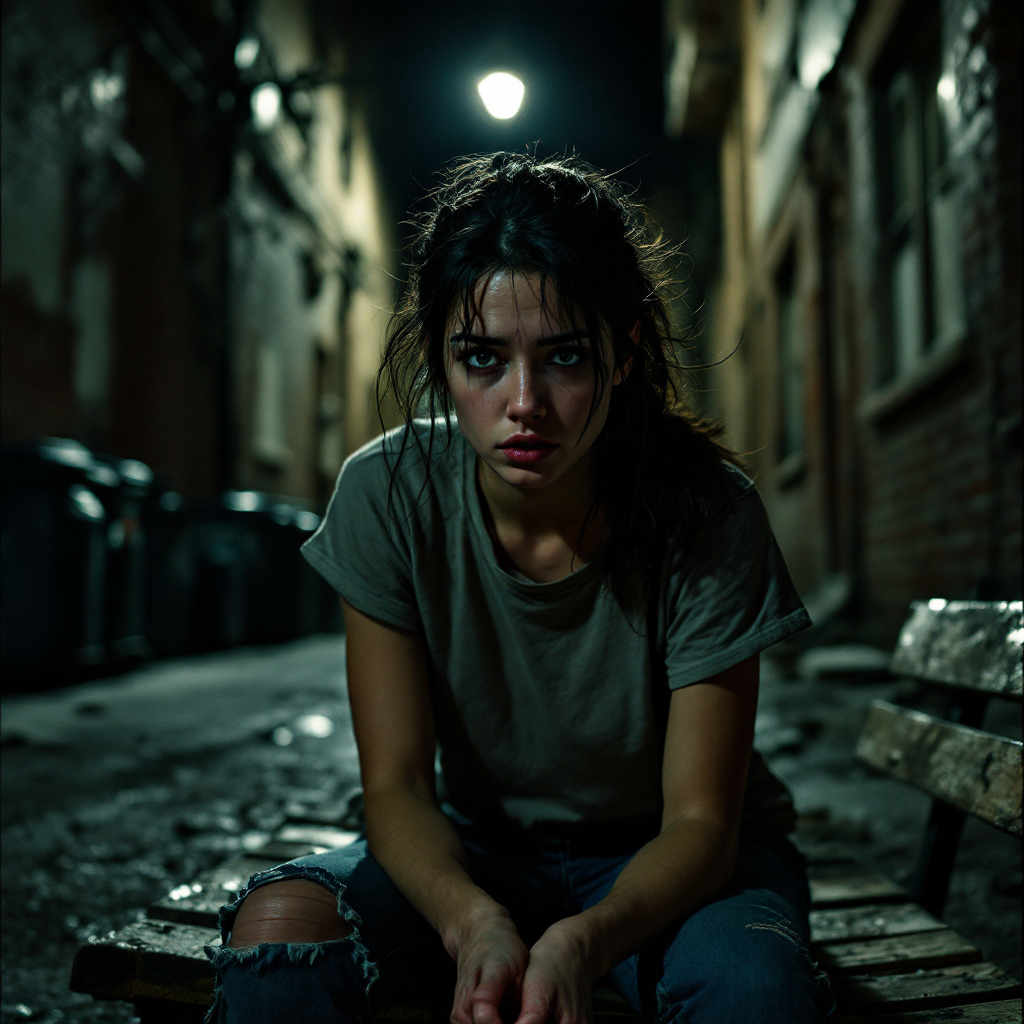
890 957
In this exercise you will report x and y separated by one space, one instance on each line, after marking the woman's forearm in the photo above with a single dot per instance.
673 875
415 843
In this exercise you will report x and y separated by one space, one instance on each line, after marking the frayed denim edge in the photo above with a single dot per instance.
296 952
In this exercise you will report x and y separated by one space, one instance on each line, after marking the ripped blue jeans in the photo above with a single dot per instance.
743 958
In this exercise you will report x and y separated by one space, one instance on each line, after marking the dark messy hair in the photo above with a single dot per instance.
594 249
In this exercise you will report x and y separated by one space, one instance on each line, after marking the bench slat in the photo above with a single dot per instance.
322 836
297 840
148 959
1006 1011
868 922
975 645
895 954
199 903
844 885
829 852
976 771
921 990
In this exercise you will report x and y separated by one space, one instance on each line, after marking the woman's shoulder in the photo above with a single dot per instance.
408 457
722 488
728 516
734 482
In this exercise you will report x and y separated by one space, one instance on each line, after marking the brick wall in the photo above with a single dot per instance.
941 474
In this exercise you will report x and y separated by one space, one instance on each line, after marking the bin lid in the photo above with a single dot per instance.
55 459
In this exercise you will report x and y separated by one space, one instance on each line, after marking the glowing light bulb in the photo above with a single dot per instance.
266 104
946 87
502 94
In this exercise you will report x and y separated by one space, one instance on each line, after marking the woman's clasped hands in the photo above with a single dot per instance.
500 981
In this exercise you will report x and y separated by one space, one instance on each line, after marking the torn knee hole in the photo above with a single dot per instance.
289 910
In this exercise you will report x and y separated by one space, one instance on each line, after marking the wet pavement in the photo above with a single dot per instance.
116 791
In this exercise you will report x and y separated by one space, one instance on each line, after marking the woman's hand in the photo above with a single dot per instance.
558 979
491 963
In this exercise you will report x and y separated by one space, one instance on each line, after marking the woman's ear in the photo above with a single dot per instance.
622 370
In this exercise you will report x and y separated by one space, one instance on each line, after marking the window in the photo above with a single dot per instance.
791 361
919 206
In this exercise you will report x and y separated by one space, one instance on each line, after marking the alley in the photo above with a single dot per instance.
237 238
118 790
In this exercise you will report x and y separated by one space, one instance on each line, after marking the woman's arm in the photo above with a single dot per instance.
707 751
406 830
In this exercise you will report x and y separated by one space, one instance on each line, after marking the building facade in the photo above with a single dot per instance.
197 254
870 284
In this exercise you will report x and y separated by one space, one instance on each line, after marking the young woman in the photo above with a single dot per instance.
559 581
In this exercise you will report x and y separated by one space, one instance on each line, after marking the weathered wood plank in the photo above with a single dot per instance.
300 839
973 770
894 954
822 852
199 902
922 990
868 922
848 884
1005 1011
970 644
323 836
280 852
148 959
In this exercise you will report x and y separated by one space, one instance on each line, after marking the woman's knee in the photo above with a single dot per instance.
745 963
290 910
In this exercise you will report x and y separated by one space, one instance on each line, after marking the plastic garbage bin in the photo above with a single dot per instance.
53 578
252 586
170 573
126 560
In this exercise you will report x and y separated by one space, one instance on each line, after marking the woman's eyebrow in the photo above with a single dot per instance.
557 339
484 339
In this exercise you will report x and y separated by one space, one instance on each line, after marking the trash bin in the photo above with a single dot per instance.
126 561
53 577
252 585
170 573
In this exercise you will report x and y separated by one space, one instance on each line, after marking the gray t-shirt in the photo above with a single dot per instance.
542 692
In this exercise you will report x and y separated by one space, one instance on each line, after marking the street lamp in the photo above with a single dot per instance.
266 104
502 94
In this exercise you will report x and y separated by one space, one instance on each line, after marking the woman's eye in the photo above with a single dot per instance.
568 357
481 360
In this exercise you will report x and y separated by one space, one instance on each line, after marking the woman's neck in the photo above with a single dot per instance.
538 532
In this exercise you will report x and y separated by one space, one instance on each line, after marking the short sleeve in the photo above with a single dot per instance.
732 598
361 548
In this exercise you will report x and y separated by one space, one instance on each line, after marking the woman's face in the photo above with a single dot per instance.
522 381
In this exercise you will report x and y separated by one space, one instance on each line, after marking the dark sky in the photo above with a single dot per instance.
592 73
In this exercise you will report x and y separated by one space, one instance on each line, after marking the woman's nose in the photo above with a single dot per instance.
526 404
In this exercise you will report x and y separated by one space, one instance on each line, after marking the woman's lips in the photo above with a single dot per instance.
522 451
526 456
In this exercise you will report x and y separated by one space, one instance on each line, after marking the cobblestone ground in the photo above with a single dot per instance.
116 791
